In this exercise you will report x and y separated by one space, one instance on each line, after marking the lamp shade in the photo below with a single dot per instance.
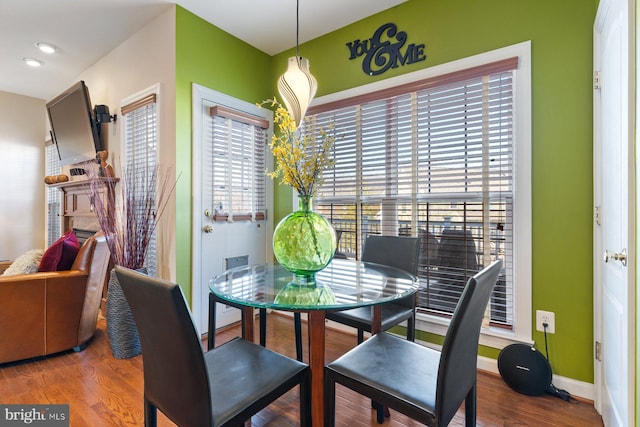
297 87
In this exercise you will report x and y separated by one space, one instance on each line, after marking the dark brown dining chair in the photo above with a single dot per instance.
394 251
222 387
424 384
456 262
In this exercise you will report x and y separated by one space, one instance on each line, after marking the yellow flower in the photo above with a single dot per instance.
299 161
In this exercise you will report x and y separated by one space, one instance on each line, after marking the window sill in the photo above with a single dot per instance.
490 337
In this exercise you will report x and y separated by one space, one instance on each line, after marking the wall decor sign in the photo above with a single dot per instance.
384 50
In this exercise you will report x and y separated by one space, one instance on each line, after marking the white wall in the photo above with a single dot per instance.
22 207
145 59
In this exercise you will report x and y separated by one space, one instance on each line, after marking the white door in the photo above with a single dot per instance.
614 189
221 244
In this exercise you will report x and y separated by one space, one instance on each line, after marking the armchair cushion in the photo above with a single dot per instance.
26 263
61 253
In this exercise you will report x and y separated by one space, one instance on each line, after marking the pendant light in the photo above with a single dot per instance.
297 86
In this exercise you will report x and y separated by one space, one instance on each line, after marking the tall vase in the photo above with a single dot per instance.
304 242
121 328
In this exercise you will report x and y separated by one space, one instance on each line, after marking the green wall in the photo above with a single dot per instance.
561 34
212 58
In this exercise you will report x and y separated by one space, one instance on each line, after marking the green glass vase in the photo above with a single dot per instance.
295 294
304 242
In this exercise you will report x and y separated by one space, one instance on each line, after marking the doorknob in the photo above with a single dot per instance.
622 256
207 229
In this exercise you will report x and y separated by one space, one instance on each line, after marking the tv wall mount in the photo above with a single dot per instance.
101 113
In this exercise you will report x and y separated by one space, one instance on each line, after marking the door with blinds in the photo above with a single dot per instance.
231 210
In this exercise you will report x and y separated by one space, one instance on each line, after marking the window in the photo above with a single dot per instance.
434 157
237 173
140 154
53 194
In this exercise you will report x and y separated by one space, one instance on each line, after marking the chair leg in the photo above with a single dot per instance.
150 414
297 325
470 408
329 401
242 320
211 335
379 412
360 336
263 326
305 402
382 411
411 329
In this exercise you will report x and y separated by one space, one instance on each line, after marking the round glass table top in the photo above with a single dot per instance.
342 285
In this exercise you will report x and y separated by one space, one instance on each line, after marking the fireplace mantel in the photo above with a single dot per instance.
77 207
79 184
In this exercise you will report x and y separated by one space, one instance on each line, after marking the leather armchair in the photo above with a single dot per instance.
48 312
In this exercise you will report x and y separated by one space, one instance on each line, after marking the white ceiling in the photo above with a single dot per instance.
86 30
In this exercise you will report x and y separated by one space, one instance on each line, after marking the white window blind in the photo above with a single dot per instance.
53 194
141 139
238 161
432 159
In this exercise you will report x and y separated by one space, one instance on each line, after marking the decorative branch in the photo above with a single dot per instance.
129 213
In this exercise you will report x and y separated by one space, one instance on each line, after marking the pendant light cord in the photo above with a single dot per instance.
297 30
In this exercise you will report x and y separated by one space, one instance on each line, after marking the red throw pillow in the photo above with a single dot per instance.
61 253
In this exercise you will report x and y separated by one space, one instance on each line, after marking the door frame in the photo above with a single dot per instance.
598 245
198 283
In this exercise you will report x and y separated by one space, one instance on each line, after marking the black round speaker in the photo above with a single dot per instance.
524 369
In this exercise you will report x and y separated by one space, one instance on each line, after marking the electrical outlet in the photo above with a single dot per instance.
548 317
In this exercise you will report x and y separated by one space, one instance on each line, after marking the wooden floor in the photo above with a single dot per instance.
104 391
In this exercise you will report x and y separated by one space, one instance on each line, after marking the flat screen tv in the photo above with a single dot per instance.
73 125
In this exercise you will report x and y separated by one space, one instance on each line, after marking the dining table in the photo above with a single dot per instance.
343 284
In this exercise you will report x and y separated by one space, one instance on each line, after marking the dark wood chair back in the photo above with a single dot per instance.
395 251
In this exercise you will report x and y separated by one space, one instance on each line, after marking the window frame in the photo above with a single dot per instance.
240 121
491 336
53 195
131 103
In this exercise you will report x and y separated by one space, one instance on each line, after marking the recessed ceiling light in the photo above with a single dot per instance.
32 62
46 47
